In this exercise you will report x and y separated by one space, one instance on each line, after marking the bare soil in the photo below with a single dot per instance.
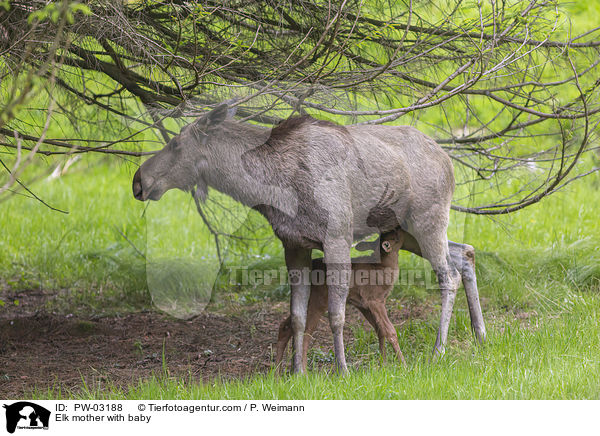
42 350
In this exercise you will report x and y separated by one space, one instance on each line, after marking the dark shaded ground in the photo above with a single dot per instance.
40 349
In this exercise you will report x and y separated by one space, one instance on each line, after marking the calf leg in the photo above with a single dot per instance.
312 322
386 327
285 333
283 337
317 305
371 318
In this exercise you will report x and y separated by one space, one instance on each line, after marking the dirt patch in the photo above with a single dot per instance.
47 350
41 350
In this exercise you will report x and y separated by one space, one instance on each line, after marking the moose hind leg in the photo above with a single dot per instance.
463 258
434 247
447 279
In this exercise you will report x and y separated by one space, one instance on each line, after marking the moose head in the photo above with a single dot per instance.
183 162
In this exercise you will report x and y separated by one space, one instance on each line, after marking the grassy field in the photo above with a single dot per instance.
538 272
553 357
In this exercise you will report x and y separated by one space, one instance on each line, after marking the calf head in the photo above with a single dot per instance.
388 242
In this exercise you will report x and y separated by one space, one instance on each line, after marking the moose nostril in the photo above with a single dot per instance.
137 191
137 185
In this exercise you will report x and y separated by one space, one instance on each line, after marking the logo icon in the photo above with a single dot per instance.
26 415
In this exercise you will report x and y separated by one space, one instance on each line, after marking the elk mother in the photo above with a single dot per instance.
321 186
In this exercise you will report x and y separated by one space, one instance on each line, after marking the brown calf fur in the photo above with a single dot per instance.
370 286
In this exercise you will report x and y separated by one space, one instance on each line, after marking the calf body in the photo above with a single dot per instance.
370 284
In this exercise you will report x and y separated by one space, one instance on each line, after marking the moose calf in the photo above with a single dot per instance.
370 285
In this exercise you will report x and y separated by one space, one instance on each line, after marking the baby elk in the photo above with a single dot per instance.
370 284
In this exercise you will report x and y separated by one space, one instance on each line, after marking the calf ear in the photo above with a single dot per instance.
400 235
386 246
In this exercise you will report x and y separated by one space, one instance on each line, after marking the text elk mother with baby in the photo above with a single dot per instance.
320 186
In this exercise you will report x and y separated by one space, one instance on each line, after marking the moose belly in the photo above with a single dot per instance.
381 211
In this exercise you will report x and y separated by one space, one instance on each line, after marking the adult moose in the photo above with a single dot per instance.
321 186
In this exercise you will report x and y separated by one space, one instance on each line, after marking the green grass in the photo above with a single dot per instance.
107 237
556 358
100 250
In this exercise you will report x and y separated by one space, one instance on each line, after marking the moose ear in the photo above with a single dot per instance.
231 112
212 118
217 115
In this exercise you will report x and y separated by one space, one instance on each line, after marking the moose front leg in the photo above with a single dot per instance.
298 261
337 261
